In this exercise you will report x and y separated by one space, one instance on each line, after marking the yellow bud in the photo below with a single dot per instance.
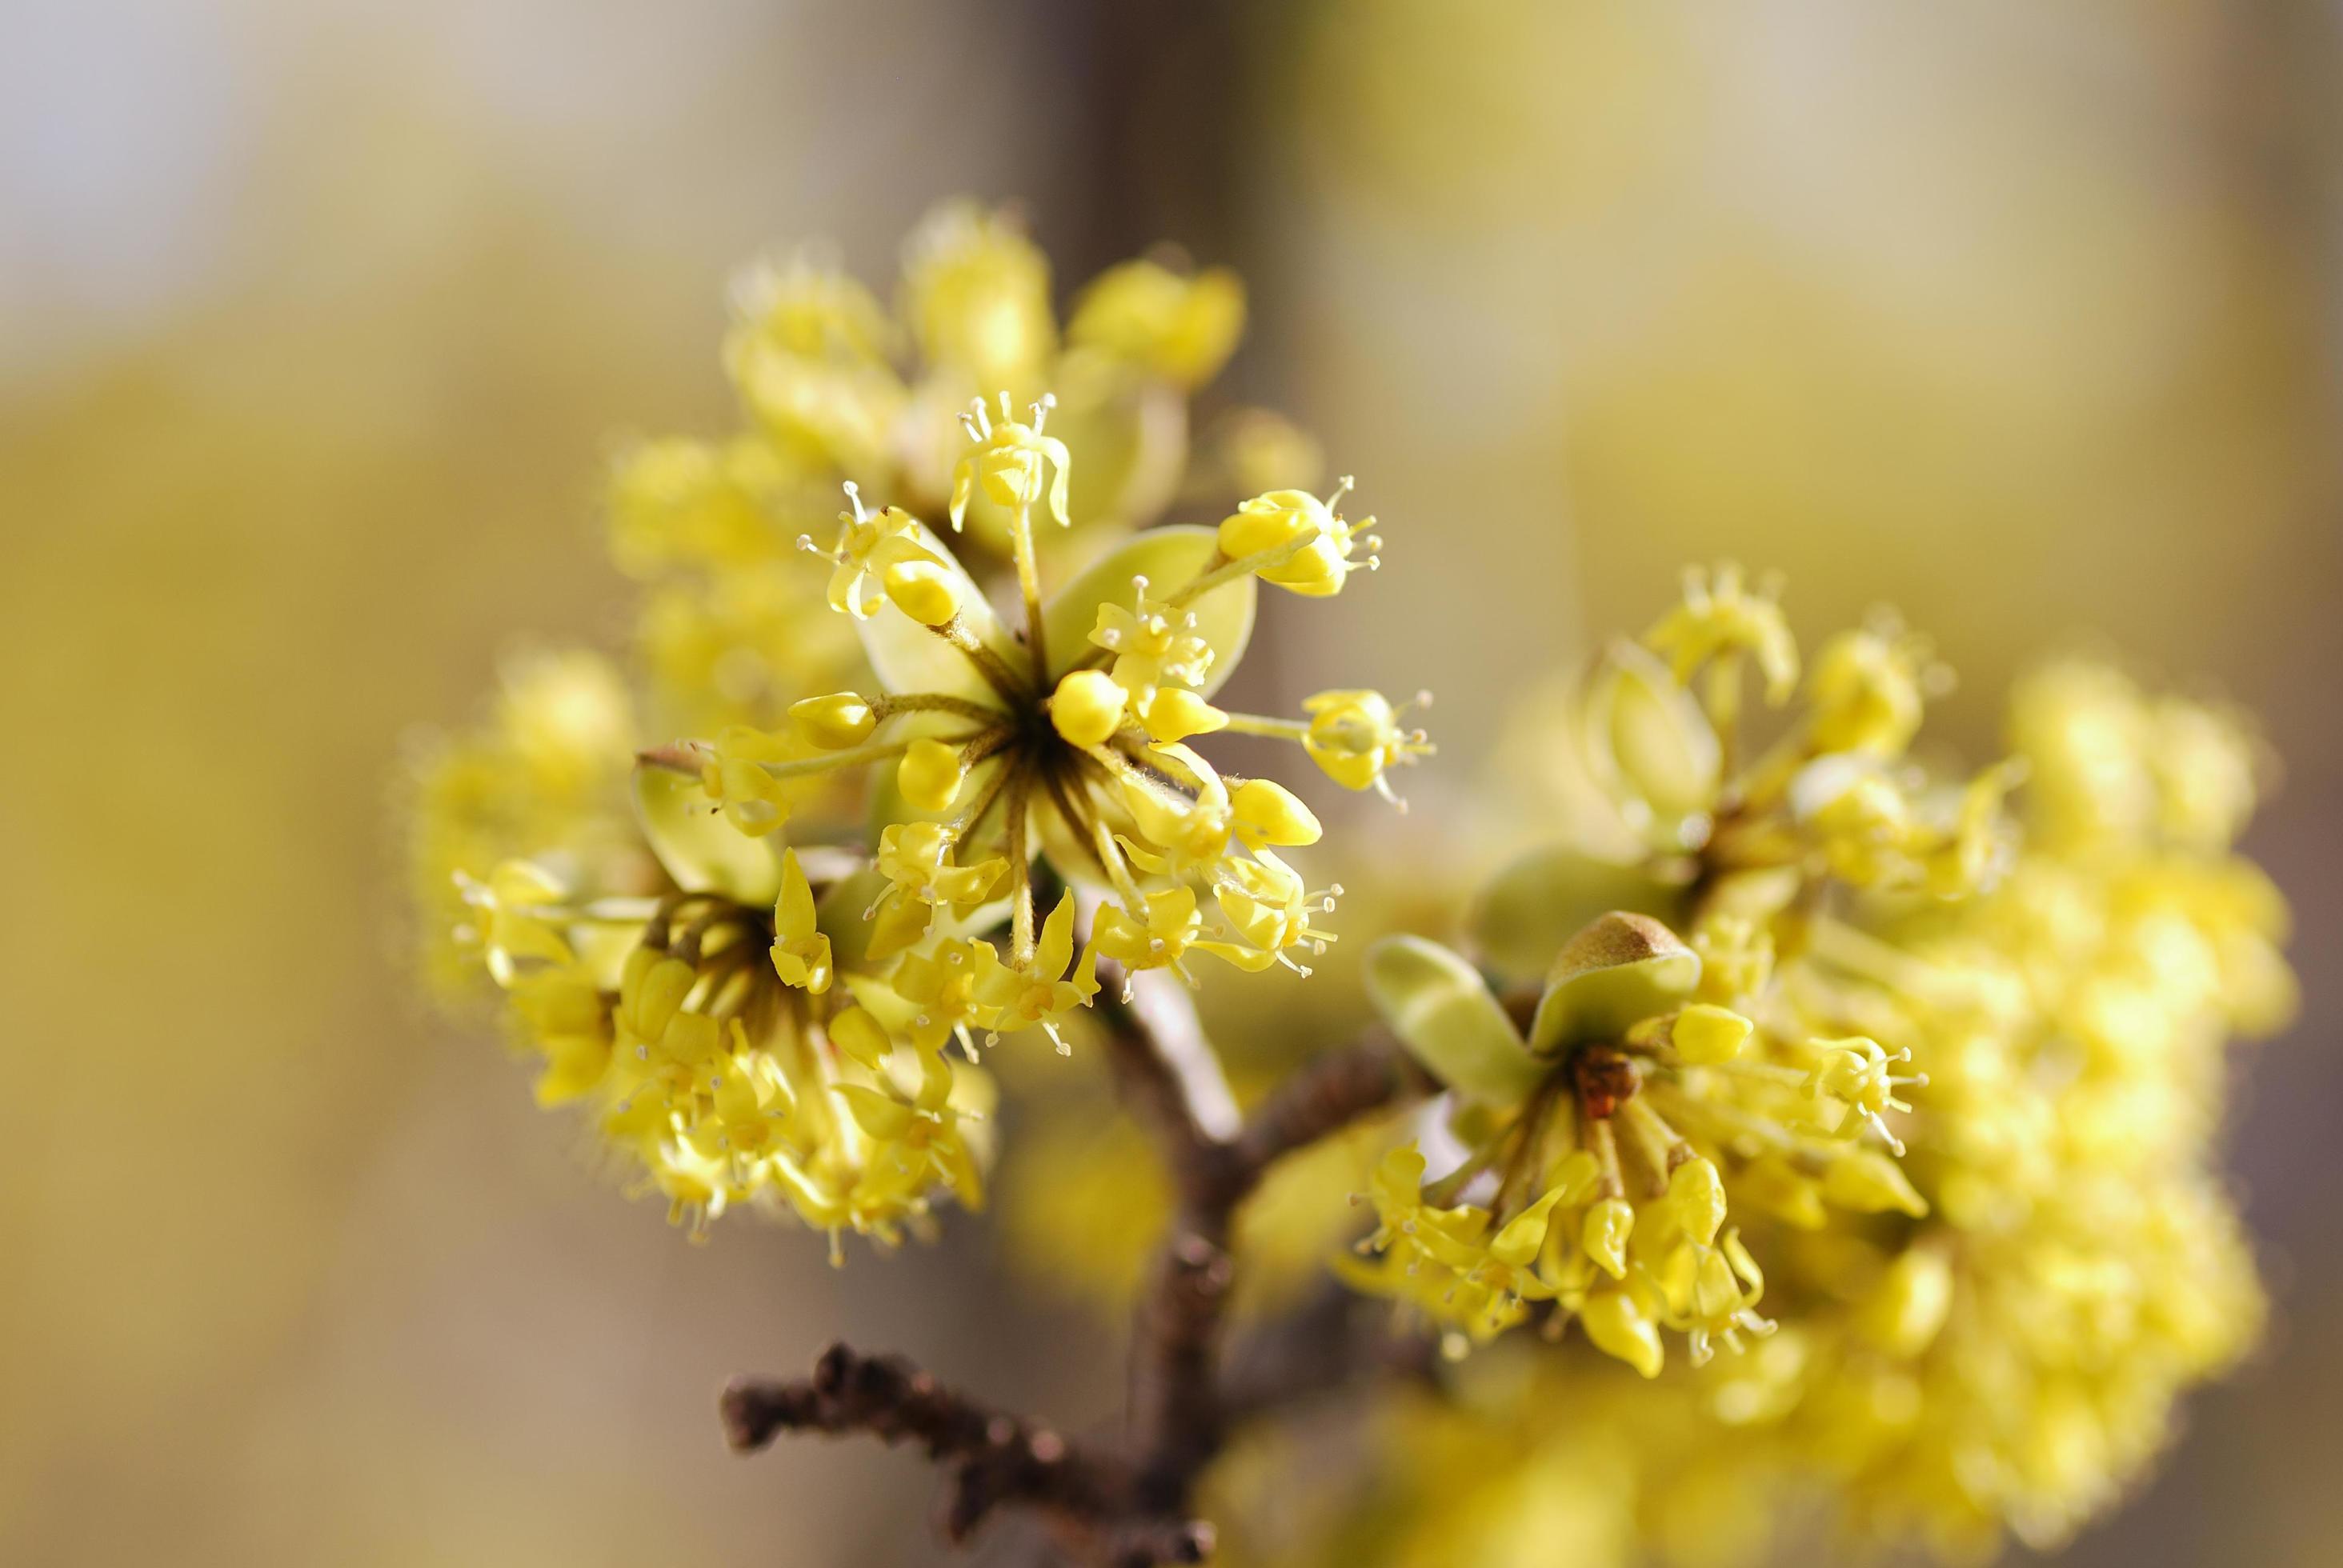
1270 813
1867 693
1771 1185
837 721
929 775
1088 707
1696 1200
1605 1234
923 590
1574 1176
1620 1329
1913 1298
859 1036
1316 543
1176 714
650 991
1650 748
1182 329
752 798
1868 1182
1265 522
886 1119
1705 1034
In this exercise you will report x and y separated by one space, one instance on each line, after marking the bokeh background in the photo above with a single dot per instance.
317 319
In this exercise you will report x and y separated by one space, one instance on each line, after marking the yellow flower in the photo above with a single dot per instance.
976 292
1355 736
1023 997
942 985
1153 645
808 354
1013 462
801 953
736 778
917 859
1869 688
517 917
1298 542
1269 912
870 547
1181 327
1622 1119
1718 620
682 971
1159 938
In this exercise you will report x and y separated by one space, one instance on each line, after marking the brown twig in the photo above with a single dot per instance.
1129 1508
994 1459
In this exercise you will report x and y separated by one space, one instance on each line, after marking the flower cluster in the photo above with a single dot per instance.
1948 1066
1902 1085
2087 1264
1612 1120
765 957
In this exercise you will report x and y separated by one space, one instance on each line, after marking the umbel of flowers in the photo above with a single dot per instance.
1934 1077
771 981
1654 1085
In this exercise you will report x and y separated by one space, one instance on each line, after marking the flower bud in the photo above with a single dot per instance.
1575 1176
1868 1182
930 774
1866 694
1087 706
1175 714
1695 1200
1181 329
1619 1328
1651 748
923 590
651 989
1705 1034
1320 541
837 721
1270 813
1903 1315
859 1036
1604 1232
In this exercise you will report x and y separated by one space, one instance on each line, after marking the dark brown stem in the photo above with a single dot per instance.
1129 1508
994 1459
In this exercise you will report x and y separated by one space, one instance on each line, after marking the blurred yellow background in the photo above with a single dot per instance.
316 322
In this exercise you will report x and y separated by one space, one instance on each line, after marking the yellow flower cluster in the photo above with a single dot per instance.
2015 1362
912 822
1608 1122
1993 1269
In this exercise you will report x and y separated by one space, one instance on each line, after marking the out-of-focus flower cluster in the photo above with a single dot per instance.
900 821
1904 1087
